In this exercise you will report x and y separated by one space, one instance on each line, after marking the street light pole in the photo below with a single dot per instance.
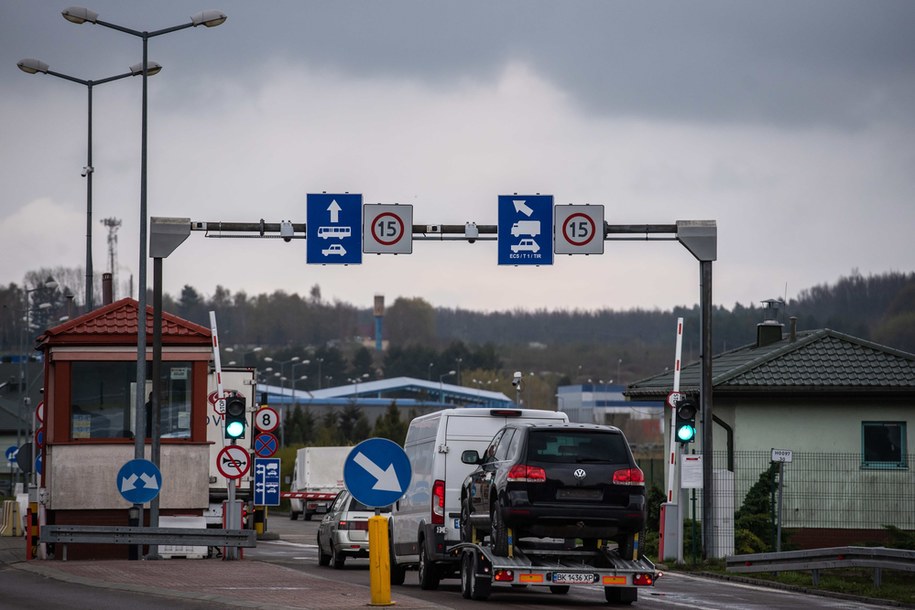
441 385
34 66
80 15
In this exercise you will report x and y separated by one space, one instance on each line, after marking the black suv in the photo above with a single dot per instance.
558 481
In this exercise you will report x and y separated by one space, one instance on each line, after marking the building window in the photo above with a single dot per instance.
883 444
103 395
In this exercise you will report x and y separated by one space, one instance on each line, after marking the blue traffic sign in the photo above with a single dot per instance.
11 452
525 231
377 472
265 444
333 229
267 481
139 481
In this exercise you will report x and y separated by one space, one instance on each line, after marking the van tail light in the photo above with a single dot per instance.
629 476
438 503
522 473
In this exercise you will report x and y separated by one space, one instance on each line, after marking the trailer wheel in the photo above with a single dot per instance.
428 576
474 585
466 575
559 589
307 516
621 595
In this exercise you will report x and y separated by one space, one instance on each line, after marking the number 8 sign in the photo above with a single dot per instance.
266 419
387 229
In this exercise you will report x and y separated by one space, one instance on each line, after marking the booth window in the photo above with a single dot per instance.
103 395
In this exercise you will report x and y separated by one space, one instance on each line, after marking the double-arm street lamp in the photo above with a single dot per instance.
35 66
79 15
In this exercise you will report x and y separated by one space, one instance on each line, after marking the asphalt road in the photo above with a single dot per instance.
296 549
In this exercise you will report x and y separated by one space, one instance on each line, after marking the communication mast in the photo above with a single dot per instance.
113 224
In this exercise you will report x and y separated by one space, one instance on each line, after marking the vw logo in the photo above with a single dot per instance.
579 473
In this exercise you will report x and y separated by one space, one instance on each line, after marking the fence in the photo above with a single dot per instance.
827 498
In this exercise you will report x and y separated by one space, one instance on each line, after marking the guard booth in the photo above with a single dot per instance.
89 419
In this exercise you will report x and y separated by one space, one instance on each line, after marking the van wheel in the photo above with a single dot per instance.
293 515
398 572
499 533
428 577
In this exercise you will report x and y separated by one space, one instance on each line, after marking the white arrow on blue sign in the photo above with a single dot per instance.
525 233
139 481
377 472
267 481
333 228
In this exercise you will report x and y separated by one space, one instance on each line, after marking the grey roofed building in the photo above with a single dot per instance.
822 361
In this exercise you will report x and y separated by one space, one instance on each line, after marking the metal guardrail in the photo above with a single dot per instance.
814 560
109 534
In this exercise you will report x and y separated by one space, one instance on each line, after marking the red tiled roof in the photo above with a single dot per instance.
117 324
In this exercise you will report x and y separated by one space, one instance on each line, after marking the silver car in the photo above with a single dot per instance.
344 530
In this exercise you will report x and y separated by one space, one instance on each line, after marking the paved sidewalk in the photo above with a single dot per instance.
246 583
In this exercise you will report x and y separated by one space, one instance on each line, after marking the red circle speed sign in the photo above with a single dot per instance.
387 228
579 229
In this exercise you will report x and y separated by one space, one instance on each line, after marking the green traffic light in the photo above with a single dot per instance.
686 433
235 429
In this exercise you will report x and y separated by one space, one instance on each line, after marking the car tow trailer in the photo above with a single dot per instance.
551 565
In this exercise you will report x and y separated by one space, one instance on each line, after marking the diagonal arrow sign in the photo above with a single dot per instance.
387 479
523 208
128 483
334 209
149 481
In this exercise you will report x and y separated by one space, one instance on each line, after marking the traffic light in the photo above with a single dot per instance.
236 417
686 420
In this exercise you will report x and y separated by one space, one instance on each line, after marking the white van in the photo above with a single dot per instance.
425 522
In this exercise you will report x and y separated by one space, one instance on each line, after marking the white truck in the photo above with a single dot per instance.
241 380
317 478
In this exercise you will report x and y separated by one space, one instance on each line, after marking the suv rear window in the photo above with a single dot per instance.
357 505
575 447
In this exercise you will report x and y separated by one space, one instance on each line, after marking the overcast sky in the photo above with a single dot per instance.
788 123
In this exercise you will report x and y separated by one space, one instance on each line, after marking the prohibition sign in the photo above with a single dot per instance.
576 222
387 228
266 420
233 461
265 444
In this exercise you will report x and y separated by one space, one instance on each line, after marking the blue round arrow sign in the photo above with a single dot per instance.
377 472
139 481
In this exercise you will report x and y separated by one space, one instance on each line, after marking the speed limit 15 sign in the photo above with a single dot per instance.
578 229
387 229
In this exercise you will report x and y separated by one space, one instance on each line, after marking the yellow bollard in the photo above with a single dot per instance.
379 561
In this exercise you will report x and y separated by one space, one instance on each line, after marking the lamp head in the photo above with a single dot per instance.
78 14
32 66
151 68
208 18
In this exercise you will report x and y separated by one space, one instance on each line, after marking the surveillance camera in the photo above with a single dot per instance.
516 379
286 231
517 375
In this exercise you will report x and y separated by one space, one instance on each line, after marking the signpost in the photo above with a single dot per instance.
233 461
579 229
333 230
525 230
377 472
139 481
387 229
267 481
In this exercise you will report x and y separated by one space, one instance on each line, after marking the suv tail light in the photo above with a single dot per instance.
438 503
354 525
629 476
522 473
